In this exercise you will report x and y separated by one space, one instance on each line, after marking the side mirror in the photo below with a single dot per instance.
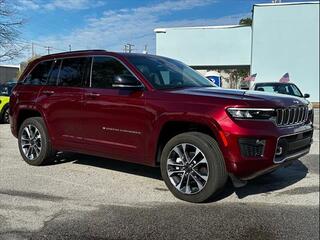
126 81
306 95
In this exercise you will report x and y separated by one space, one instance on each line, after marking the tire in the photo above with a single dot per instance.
4 118
5 115
41 152
208 159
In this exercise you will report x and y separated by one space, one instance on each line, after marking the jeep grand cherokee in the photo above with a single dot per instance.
155 111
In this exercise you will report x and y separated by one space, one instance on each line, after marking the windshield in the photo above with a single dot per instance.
165 73
288 89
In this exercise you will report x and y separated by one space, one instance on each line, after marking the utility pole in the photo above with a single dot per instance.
48 49
125 49
130 47
145 51
69 47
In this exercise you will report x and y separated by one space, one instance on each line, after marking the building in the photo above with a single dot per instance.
8 72
284 37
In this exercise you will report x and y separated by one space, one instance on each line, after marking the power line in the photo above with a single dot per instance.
34 43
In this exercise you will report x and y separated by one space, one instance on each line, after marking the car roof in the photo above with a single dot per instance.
273 83
89 52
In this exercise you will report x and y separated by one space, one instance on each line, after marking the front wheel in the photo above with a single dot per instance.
34 142
193 167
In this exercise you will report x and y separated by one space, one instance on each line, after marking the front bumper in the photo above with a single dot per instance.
285 162
294 142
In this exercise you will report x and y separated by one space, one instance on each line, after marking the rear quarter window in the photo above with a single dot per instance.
39 74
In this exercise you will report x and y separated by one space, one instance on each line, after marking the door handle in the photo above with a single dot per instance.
92 95
48 92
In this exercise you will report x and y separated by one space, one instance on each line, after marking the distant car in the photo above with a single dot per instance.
5 92
284 88
281 88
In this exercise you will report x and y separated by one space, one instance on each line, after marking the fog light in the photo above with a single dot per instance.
279 151
252 147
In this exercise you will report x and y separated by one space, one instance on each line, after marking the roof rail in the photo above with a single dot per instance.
77 51
87 50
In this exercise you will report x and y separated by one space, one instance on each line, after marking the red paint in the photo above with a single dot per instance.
126 125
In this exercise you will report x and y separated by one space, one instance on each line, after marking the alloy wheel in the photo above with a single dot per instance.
31 143
187 168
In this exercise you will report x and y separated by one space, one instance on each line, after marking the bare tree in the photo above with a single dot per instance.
9 32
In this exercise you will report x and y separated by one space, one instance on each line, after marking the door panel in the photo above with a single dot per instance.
63 107
62 101
115 123
114 118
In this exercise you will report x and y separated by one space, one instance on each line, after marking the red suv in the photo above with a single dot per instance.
155 111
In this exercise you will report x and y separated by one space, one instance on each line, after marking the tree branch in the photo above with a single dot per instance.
9 32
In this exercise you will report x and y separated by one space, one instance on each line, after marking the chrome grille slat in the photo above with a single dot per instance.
299 114
302 117
306 115
288 116
292 115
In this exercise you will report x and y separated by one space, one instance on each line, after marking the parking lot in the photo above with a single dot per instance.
82 197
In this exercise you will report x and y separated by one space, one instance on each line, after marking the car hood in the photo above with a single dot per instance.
279 100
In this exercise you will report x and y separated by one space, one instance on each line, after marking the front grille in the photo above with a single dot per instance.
292 115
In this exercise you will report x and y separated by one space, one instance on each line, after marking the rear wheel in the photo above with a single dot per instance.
34 143
193 167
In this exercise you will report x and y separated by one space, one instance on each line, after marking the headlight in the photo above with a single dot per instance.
310 106
251 113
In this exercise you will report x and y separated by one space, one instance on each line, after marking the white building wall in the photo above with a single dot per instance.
206 46
286 39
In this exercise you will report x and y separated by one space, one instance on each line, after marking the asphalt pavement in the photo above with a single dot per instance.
83 197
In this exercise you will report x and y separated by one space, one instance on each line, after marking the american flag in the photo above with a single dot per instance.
285 78
250 78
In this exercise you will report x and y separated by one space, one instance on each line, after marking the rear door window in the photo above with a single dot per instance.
74 72
39 75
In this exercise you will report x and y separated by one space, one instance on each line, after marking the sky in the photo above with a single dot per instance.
110 24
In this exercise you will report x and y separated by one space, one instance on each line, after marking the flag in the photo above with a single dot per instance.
250 78
285 78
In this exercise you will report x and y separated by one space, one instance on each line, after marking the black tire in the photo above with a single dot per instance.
217 176
5 115
46 154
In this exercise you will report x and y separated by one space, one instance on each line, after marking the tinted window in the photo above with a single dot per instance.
54 73
73 72
39 75
265 88
104 71
296 91
288 89
165 73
